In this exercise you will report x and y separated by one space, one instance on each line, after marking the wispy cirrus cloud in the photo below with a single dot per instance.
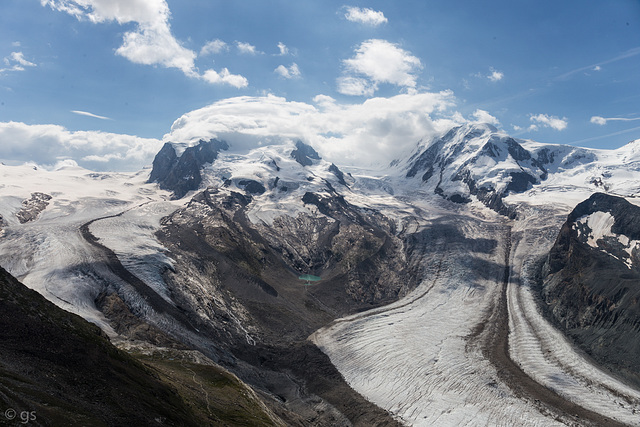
88 114
378 61
364 16
16 62
598 66
603 121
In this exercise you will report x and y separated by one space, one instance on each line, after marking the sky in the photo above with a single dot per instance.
104 83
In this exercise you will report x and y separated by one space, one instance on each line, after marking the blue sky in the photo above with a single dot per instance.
101 82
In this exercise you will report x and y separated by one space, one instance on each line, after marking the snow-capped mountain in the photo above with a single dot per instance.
428 270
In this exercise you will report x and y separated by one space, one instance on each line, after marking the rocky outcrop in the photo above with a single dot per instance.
32 207
304 154
591 281
338 173
183 174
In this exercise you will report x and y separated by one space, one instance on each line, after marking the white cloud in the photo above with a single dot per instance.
224 76
284 50
495 75
548 121
151 43
482 116
16 62
288 73
375 131
365 16
356 86
597 68
603 121
213 47
246 48
49 144
88 114
379 61
156 45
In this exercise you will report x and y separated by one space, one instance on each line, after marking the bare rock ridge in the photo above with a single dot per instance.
182 174
304 154
591 281
32 207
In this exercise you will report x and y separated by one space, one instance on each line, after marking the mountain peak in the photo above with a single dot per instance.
304 154
182 174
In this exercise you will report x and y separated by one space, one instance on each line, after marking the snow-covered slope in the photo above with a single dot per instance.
49 254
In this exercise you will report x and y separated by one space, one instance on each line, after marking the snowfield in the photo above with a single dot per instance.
50 255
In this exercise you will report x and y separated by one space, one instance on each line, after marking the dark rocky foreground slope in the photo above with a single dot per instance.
593 293
58 369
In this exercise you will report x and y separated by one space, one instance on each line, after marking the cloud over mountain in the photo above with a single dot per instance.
373 132
49 145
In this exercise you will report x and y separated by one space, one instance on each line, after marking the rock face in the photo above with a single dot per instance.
591 281
182 174
304 154
32 207
477 160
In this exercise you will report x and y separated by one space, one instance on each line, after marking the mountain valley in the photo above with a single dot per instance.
483 280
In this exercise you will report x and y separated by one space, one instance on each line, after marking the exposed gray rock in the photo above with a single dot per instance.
182 174
304 154
592 293
32 207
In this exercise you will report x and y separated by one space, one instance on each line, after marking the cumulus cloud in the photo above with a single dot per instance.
224 76
288 72
365 16
482 116
246 48
214 47
603 121
88 114
545 120
373 132
378 61
16 62
50 144
495 75
151 43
